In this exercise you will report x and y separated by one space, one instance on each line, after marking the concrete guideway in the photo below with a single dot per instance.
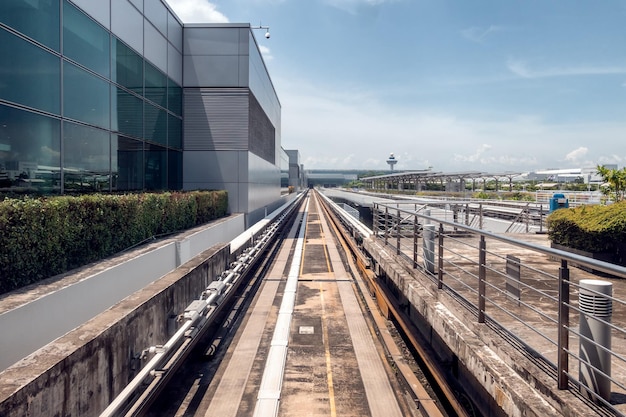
333 366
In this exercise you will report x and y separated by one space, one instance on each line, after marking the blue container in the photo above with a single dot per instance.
558 201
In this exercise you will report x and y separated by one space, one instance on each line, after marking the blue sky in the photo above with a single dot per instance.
456 85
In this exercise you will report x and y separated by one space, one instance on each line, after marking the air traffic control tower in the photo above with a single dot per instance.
391 161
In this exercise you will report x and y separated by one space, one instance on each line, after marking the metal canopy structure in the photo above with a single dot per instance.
418 179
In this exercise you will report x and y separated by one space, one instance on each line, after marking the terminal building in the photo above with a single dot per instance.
120 95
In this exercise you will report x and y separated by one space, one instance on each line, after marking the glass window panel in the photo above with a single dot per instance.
155 124
85 41
174 132
37 19
32 76
127 67
30 151
156 85
86 158
174 170
127 163
156 167
174 97
85 96
127 113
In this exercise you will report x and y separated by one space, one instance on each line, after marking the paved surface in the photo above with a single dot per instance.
533 317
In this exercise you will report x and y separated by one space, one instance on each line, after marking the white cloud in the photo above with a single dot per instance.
476 156
351 6
479 34
522 69
343 129
197 11
265 51
576 154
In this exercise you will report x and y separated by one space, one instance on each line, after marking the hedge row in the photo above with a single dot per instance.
590 228
44 237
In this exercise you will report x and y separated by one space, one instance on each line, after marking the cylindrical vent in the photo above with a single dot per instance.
590 302
595 366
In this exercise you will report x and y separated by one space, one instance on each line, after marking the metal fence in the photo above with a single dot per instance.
549 303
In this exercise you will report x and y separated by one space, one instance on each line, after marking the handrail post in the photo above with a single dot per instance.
563 329
480 216
375 215
440 258
482 273
415 231
398 231
386 224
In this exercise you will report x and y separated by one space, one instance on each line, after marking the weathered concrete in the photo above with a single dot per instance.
80 373
34 316
500 380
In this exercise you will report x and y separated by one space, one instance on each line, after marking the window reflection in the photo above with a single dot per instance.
86 159
85 41
127 164
38 20
30 75
30 156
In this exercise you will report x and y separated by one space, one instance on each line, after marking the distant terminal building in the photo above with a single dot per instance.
120 95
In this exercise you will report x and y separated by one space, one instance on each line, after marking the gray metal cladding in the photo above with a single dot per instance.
216 119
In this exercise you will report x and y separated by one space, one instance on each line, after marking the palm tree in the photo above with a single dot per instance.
616 178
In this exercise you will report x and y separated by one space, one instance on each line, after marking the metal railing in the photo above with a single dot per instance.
525 290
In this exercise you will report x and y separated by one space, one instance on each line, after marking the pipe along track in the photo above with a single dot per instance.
200 314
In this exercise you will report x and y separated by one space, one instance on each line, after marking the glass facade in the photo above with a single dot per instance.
81 111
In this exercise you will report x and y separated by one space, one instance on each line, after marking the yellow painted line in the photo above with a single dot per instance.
329 369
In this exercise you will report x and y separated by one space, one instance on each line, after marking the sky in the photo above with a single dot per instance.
450 85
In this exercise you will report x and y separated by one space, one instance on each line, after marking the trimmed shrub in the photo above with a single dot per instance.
43 237
589 228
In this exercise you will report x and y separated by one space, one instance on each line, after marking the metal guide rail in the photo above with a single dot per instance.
196 319
561 308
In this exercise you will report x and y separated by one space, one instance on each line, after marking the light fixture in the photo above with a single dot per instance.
267 30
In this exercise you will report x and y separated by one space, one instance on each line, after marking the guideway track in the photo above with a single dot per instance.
311 362
305 346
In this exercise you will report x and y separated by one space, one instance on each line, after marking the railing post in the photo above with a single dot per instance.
540 218
482 273
376 222
398 231
480 216
415 248
563 329
386 224
440 258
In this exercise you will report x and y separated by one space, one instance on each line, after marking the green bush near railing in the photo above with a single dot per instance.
590 228
43 237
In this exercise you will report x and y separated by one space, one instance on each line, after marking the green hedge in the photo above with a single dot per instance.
590 228
44 237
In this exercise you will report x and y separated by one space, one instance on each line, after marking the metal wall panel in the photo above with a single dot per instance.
155 46
212 71
156 12
100 10
215 119
174 64
127 24
175 32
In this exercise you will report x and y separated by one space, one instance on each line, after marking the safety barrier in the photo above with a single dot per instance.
528 292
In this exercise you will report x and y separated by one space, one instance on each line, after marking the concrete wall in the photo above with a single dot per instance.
80 373
499 380
29 321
